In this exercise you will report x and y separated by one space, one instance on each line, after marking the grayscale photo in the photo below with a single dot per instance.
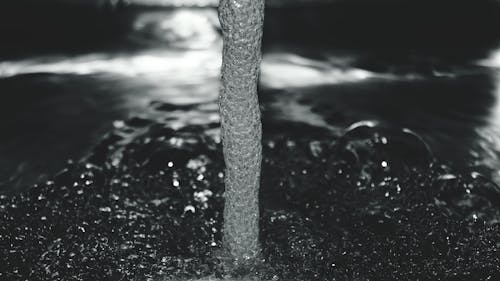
250 140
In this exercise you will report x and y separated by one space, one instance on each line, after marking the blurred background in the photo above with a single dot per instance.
71 70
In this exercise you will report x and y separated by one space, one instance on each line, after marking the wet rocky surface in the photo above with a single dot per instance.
146 204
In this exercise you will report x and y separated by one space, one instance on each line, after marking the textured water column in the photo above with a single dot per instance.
241 22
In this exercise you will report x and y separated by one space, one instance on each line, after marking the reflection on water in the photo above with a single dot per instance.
486 152
184 28
493 60
174 65
284 70
60 105
176 3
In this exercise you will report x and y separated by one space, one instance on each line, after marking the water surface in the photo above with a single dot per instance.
57 103
380 151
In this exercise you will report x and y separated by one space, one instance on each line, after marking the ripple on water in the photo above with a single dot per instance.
147 203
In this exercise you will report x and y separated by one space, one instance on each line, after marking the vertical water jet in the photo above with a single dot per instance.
242 24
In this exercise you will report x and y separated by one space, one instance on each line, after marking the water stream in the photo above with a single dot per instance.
242 25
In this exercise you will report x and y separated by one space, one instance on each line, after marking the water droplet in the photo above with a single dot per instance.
202 196
105 209
271 144
118 124
189 208
447 177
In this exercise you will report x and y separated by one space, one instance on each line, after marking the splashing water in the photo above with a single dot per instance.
148 203
371 203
